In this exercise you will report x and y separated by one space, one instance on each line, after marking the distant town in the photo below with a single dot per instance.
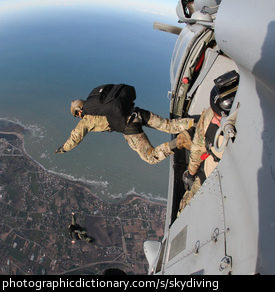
36 208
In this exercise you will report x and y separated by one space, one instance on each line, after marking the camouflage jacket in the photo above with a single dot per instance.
198 147
87 124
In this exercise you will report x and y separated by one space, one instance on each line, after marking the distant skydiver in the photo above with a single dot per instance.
78 233
111 108
203 157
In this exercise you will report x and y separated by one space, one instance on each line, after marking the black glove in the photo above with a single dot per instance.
188 180
59 150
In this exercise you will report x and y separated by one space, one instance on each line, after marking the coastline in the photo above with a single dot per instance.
126 200
36 208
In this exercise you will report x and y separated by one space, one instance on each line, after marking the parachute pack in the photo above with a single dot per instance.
116 102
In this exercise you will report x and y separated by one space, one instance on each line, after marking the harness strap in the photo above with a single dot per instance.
209 141
132 129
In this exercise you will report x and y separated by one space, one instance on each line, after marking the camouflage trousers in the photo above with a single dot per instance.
188 195
141 144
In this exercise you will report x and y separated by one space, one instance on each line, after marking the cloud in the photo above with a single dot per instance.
151 11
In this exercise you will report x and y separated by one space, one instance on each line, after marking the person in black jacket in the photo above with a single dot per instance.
111 108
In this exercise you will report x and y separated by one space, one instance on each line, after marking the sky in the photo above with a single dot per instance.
156 7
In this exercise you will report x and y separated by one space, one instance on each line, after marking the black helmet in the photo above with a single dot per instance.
223 93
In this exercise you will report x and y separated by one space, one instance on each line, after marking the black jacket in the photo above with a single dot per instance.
116 102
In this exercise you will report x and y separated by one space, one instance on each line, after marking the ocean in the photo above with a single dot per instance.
52 55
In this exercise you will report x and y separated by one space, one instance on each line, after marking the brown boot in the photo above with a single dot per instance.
184 140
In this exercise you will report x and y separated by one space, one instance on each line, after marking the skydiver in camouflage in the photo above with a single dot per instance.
203 157
78 233
133 119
